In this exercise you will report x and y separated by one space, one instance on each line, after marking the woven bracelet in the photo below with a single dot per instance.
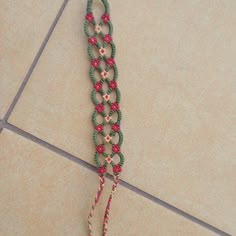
106 98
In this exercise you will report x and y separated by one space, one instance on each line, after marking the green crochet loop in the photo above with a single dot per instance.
110 90
95 99
98 45
92 74
105 3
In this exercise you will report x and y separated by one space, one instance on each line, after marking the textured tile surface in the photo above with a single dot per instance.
176 73
24 24
44 194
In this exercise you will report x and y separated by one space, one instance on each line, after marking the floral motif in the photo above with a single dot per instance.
99 128
116 148
107 118
106 18
89 17
104 74
99 108
100 148
113 84
108 159
117 169
95 63
102 170
114 106
107 38
110 61
115 127
108 138
92 40
106 97
98 29
102 51
98 86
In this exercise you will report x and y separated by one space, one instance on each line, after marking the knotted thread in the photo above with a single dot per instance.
97 197
107 211
106 88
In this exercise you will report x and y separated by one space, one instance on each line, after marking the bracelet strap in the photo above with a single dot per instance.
105 96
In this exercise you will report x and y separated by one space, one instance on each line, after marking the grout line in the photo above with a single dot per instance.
122 182
5 124
2 125
174 209
35 61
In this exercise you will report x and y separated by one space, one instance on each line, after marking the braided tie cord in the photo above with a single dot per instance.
106 97
97 197
107 211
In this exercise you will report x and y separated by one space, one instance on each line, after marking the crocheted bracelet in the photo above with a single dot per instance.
106 98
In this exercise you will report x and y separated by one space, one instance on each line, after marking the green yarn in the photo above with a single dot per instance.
97 135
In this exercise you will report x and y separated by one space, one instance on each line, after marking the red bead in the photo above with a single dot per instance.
98 86
102 170
95 63
99 128
100 148
110 61
115 148
99 107
107 38
113 84
89 17
117 168
114 106
115 127
105 17
92 40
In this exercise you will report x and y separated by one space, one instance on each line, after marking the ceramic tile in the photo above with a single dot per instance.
176 75
45 194
24 24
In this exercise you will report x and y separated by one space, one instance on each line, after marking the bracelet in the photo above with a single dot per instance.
106 98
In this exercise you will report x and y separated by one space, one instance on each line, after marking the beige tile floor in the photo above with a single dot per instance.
49 195
178 110
24 25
